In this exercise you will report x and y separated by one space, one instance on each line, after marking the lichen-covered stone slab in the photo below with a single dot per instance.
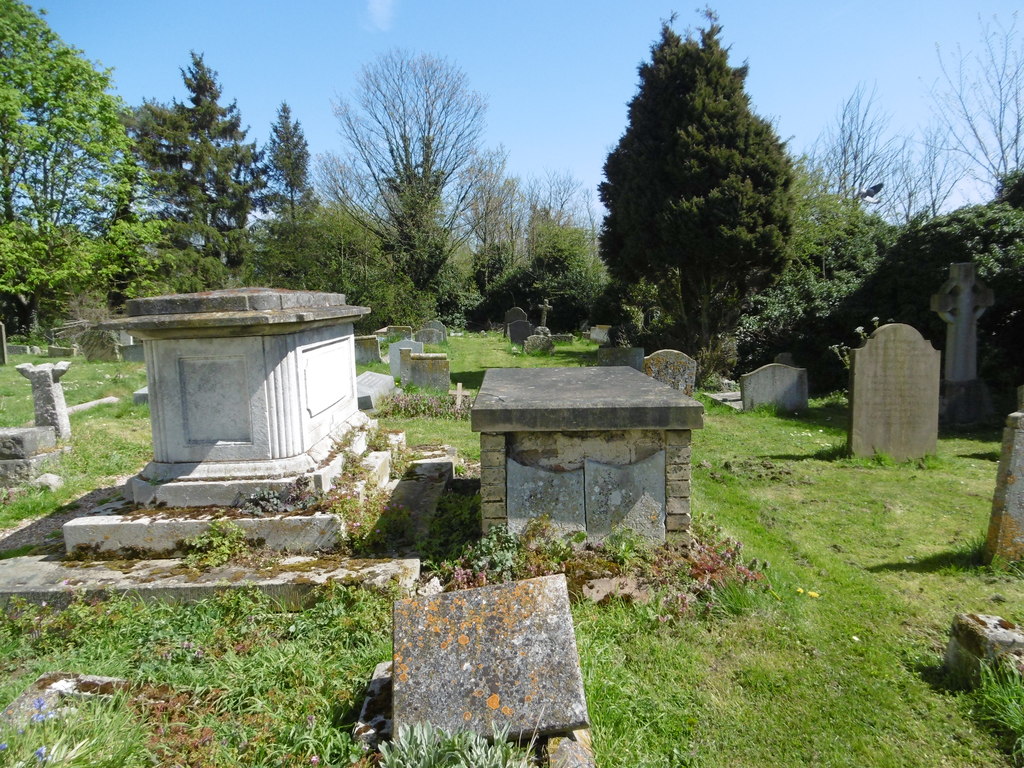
632 495
502 656
669 366
533 491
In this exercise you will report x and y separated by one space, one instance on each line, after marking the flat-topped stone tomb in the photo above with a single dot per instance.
496 657
593 448
248 388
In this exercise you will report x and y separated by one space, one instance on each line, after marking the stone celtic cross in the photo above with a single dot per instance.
960 302
544 309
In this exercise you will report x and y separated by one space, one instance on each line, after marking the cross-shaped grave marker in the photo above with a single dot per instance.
544 309
960 302
458 395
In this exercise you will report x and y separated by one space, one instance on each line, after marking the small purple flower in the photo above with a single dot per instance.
39 703
38 717
3 746
41 754
310 720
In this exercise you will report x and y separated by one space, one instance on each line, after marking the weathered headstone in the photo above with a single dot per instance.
1006 525
430 336
538 344
100 346
437 325
669 366
395 354
894 395
513 315
3 344
519 331
501 656
961 300
599 333
48 395
429 371
395 331
783 386
367 349
629 356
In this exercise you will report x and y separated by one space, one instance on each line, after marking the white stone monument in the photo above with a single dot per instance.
248 388
960 302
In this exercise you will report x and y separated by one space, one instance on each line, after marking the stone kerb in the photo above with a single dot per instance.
367 349
429 371
669 366
519 331
894 395
1005 538
501 656
395 355
775 384
632 357
246 386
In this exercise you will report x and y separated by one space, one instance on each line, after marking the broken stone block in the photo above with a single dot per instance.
496 657
976 638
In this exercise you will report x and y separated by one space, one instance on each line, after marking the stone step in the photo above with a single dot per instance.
39 579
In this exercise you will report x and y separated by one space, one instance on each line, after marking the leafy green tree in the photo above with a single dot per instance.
66 175
206 178
289 191
697 192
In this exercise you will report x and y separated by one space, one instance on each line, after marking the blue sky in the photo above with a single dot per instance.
557 74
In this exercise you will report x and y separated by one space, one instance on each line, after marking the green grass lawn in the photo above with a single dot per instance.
773 677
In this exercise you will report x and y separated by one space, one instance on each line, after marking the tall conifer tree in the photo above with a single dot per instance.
697 191
289 190
206 177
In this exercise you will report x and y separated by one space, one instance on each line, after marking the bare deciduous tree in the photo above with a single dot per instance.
923 174
412 128
980 99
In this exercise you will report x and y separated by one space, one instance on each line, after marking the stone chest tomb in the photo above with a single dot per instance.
248 388
592 448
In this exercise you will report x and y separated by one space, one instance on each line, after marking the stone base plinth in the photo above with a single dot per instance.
964 402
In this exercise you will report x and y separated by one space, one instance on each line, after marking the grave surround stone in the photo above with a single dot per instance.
519 331
24 452
894 395
429 371
498 656
395 355
48 395
1005 537
669 366
630 356
592 447
775 384
248 387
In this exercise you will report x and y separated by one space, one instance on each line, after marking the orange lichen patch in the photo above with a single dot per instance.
478 693
467 716
507 711
463 640
493 701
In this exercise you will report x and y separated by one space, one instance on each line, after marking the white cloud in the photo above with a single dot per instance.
381 13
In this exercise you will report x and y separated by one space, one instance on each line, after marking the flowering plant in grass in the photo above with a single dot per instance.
408 405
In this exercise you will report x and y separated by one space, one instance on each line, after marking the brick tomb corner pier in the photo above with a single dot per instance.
249 388
593 448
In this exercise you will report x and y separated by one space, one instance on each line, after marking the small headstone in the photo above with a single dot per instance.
48 395
100 346
538 344
669 366
629 356
513 315
1006 524
519 331
395 354
500 656
3 344
141 396
429 371
405 365
775 384
430 336
785 358
894 395
599 333
437 325
367 349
